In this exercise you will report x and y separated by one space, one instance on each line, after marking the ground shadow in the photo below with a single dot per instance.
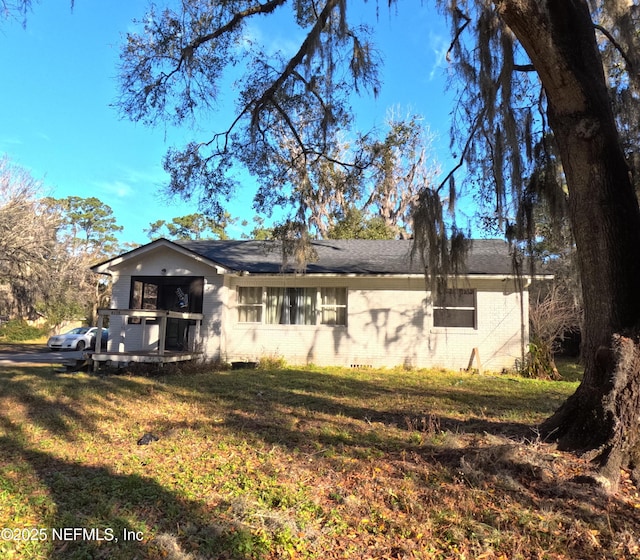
95 511
270 396
305 413
98 514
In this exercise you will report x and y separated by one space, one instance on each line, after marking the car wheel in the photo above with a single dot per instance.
80 346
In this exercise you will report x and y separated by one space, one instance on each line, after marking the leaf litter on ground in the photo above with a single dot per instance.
300 463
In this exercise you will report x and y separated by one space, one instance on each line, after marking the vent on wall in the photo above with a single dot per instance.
361 366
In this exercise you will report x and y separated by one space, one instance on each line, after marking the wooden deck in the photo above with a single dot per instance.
159 355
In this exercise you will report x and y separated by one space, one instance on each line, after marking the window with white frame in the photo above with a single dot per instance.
250 304
455 308
333 306
292 306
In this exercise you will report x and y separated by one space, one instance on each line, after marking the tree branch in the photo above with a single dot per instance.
267 8
524 67
616 45
467 144
305 49
459 31
254 107
186 53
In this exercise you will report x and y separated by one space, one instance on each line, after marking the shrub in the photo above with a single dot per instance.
18 330
271 361
551 318
539 362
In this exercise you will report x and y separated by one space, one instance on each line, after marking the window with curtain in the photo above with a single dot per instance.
250 304
292 306
333 306
455 308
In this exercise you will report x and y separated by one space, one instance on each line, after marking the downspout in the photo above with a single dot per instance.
519 285
523 324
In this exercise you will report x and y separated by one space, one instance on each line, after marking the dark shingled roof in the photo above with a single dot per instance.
352 256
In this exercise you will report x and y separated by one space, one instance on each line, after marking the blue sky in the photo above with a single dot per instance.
59 80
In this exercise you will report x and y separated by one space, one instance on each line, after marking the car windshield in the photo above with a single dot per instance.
79 330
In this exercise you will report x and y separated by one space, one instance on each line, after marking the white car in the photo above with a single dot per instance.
76 339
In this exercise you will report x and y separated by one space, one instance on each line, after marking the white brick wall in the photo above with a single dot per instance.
390 323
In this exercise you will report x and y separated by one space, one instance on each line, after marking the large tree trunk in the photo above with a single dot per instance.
559 37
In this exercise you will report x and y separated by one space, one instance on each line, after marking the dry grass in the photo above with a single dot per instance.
294 463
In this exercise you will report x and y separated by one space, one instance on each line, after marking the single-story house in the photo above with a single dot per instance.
360 303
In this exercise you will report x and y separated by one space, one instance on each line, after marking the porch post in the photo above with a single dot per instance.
163 334
145 334
98 340
98 346
196 336
123 321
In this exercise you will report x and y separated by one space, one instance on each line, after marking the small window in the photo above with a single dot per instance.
455 308
144 295
250 305
333 306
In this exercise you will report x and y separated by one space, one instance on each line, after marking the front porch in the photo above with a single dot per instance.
168 348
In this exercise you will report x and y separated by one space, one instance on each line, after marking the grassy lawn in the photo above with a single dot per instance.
296 463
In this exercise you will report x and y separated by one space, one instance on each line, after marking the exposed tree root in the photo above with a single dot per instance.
603 422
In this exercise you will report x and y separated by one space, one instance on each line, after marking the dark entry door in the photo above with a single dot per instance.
177 334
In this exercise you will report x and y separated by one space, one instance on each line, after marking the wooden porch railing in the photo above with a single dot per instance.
144 315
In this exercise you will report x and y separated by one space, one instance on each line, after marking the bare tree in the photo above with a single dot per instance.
402 166
386 173
552 316
17 9
45 270
27 236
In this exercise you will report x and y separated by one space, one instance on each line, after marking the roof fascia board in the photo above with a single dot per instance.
105 267
390 276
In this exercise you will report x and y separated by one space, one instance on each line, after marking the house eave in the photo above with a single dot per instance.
107 266
394 276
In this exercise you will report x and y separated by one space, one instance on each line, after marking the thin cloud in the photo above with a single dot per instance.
438 45
119 189
150 176
270 42
8 141
130 181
